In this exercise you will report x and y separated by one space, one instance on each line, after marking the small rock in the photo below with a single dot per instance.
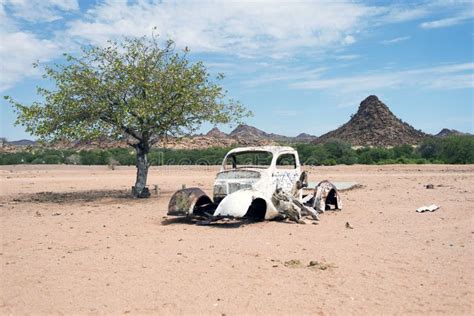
429 186
293 263
349 226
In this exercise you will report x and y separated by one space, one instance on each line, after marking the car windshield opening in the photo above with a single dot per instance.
248 159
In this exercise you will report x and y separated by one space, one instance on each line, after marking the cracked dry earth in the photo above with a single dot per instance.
73 242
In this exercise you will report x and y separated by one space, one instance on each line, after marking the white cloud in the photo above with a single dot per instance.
455 76
18 50
246 28
284 74
395 40
445 22
349 39
40 10
17 53
347 57
397 14
258 30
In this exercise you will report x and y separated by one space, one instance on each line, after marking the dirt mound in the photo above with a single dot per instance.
375 125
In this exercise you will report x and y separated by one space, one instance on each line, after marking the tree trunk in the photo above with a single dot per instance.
140 190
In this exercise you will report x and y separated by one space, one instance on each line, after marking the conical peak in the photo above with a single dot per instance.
373 105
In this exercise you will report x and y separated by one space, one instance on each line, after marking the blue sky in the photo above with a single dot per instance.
300 66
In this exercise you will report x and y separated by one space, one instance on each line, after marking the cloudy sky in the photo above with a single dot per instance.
300 66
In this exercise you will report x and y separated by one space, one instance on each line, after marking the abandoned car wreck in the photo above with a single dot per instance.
258 183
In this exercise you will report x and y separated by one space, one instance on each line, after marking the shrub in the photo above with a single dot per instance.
73 159
52 159
403 151
430 148
329 162
454 150
112 163
337 149
38 161
458 150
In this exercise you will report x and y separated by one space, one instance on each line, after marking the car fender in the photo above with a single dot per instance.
247 203
190 201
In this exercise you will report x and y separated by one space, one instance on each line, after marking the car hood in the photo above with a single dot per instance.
246 173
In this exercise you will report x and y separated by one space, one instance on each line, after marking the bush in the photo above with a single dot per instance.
454 150
458 150
52 159
38 161
403 151
73 159
430 148
94 157
337 149
330 162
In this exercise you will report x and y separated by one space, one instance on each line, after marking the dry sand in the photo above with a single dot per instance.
85 248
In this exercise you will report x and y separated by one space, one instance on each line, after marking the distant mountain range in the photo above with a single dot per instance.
21 142
373 125
247 132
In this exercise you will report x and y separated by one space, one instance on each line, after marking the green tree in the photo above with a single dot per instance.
430 148
458 149
137 90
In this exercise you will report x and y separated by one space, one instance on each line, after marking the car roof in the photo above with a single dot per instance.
275 150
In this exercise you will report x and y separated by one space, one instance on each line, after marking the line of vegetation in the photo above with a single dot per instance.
450 150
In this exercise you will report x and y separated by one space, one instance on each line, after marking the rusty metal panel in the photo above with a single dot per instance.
183 202
325 195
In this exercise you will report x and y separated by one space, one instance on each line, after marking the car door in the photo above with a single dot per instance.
287 172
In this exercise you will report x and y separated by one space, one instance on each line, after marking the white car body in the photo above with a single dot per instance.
247 191
236 189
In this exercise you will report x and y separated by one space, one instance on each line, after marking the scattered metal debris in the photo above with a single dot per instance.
430 208
347 186
272 188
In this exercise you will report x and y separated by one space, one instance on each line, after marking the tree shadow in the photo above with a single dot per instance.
77 196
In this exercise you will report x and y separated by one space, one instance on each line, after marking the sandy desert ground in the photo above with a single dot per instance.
72 242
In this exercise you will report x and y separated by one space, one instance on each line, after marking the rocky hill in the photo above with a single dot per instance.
217 133
303 137
22 142
445 132
375 125
248 132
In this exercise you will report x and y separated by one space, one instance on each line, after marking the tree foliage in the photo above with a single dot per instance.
133 90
